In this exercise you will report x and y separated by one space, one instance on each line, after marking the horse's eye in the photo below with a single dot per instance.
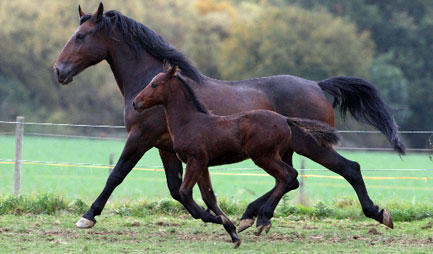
80 36
154 85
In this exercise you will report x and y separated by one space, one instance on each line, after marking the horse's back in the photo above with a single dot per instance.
288 95
296 97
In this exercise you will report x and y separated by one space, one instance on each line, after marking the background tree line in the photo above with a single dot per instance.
386 42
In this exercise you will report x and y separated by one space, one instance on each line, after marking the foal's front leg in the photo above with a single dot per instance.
210 200
194 170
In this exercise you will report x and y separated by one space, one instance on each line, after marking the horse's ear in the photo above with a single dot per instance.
98 13
166 66
173 71
80 12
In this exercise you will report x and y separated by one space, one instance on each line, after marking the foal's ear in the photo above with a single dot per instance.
80 12
166 66
173 71
98 13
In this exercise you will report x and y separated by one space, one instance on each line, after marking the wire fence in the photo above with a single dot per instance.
159 168
118 127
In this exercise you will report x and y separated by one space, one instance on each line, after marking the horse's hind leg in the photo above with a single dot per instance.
285 175
253 208
210 200
351 171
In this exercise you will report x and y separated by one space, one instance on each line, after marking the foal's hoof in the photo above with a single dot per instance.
244 224
387 219
84 223
262 227
237 244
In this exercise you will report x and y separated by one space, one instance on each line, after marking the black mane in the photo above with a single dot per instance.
200 107
139 37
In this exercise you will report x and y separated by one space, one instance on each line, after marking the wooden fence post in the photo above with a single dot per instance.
18 153
301 184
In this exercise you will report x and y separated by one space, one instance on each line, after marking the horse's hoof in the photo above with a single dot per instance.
237 243
267 228
387 219
259 230
244 224
84 223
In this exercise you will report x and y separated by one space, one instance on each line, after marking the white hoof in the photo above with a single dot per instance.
84 223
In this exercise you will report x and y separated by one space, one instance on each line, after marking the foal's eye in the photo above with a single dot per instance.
154 85
80 36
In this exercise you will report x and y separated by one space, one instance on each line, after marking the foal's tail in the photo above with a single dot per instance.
321 133
365 104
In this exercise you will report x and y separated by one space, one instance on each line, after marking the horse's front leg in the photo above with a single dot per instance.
173 172
134 149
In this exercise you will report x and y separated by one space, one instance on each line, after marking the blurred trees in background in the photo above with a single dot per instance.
386 42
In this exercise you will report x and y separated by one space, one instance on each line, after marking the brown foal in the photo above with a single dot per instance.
201 139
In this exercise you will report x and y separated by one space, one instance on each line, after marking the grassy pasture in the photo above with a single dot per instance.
167 234
86 183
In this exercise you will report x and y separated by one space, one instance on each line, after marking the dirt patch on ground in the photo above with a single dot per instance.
160 230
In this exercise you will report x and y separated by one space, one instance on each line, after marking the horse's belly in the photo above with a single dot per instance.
227 158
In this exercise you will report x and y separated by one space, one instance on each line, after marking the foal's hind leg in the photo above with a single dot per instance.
351 171
253 208
210 200
285 175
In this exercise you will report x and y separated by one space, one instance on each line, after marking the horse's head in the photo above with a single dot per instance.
155 93
86 47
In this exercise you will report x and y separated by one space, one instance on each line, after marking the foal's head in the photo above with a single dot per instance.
155 93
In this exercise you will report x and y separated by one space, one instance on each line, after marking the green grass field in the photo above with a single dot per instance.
167 234
86 183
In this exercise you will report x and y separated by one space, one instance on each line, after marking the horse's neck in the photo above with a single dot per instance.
180 110
132 71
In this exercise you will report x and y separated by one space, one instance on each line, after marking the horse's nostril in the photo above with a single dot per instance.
57 72
133 104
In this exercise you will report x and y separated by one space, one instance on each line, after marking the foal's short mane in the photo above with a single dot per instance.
139 37
200 107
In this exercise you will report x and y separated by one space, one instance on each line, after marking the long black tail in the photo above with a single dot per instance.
322 133
365 104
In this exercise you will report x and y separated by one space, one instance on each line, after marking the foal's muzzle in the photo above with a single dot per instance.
138 106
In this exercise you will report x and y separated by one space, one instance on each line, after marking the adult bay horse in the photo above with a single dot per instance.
202 139
135 54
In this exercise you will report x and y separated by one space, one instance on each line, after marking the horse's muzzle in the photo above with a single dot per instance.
63 73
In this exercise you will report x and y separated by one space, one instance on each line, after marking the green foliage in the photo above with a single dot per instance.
32 204
144 208
292 40
322 210
338 209
225 39
78 206
402 31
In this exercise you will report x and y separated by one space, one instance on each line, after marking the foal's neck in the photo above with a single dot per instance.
180 108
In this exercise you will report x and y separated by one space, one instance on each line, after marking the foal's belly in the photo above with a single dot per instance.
227 158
